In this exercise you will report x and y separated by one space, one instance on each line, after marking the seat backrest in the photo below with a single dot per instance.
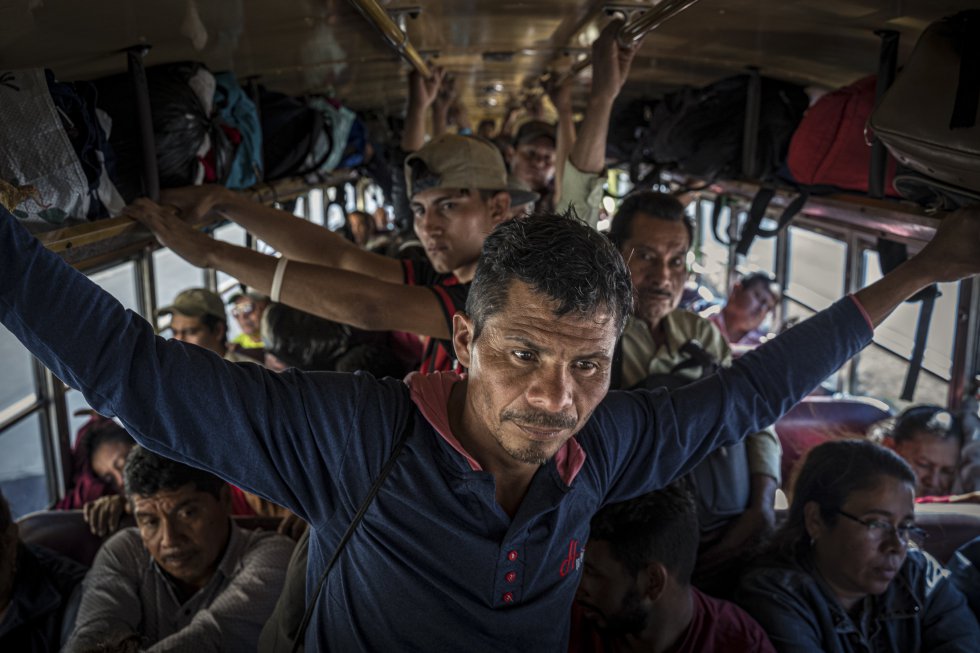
65 532
819 419
948 525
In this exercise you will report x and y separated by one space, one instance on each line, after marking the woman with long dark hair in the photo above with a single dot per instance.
844 572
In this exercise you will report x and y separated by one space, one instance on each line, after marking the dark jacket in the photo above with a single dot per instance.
920 611
43 587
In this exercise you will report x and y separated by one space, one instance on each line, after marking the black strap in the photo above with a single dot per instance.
750 132
718 205
919 349
887 65
697 356
967 45
753 224
389 465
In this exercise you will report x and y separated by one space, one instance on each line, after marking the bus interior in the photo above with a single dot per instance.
502 56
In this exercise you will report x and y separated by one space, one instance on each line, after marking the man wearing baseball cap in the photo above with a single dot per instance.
532 161
459 192
197 316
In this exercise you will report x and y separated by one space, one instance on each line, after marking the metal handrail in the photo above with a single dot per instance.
631 32
398 39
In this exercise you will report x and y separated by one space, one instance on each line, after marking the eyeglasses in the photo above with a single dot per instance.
245 308
879 529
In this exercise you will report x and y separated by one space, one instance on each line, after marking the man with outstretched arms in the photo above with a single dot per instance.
475 538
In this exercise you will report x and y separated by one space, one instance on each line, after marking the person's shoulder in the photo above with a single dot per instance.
691 326
729 627
778 574
64 572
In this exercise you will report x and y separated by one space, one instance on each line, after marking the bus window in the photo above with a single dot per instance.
762 255
816 269
171 275
883 366
234 234
17 380
22 474
712 256
316 199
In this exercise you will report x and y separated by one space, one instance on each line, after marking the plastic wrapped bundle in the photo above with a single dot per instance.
186 135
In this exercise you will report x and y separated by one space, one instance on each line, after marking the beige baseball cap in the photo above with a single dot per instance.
196 302
457 161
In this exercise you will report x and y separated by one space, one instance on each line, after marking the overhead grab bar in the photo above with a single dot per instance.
630 33
398 39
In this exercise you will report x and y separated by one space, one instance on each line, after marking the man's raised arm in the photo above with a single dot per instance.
332 293
295 238
281 436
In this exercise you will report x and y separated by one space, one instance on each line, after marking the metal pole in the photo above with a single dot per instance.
887 63
398 39
137 73
631 32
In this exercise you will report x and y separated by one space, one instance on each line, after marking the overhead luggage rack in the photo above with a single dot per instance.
81 244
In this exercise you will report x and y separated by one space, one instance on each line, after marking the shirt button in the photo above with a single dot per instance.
508 597
511 576
512 556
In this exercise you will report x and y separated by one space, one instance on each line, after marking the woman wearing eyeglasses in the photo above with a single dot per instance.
844 573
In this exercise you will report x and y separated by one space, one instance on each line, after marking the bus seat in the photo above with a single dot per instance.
949 526
817 419
66 533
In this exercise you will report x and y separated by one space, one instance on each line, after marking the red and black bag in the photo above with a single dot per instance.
831 151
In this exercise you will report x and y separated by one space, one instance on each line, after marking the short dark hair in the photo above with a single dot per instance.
147 473
558 256
831 472
760 278
659 527
660 206
303 340
105 431
934 420
211 322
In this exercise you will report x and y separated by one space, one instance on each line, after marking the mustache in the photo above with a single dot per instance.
539 418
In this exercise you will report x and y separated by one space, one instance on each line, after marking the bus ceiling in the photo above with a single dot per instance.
357 50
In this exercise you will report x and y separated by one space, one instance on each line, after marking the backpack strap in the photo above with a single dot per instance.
967 45
753 224
388 466
919 347
721 201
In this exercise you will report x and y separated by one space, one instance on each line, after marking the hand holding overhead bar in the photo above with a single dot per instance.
631 32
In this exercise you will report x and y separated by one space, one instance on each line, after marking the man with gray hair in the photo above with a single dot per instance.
474 538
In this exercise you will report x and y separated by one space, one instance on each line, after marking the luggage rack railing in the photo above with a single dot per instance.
69 240
885 217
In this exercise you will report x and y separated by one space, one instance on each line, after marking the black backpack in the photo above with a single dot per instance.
700 132
291 133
